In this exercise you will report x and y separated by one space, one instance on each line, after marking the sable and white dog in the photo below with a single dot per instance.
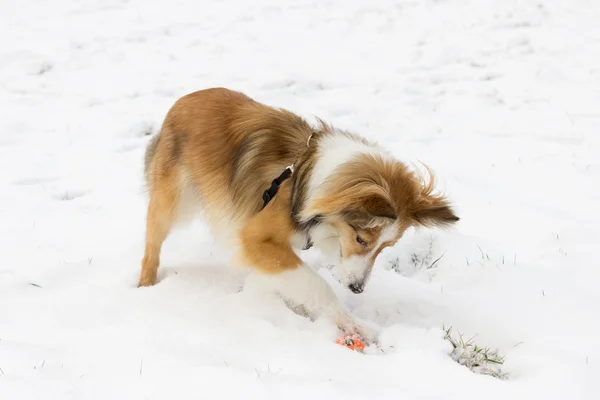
221 150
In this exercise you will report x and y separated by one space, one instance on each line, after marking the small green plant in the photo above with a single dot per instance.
479 360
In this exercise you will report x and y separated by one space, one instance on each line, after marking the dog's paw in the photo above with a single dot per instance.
147 280
351 325
369 334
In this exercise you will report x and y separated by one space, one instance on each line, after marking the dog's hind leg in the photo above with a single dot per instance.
159 220
164 186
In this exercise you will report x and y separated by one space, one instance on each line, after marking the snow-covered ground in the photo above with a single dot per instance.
501 98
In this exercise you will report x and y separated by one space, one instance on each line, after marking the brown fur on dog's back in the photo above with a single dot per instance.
230 146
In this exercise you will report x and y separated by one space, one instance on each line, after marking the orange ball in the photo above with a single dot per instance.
352 342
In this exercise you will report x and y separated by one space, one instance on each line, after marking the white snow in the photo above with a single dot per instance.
500 98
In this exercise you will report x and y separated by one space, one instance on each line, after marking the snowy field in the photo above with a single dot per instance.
500 98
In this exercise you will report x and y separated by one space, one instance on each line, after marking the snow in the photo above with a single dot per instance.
501 99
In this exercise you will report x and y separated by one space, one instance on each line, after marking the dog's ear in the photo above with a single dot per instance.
429 209
370 211
360 205
379 207
433 211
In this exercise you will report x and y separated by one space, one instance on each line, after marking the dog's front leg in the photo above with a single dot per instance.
265 246
305 288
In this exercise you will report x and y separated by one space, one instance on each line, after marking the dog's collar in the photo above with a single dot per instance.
287 172
272 191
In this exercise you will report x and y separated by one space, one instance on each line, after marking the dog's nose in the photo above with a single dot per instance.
356 287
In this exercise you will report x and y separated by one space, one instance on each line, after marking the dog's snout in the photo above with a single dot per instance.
356 287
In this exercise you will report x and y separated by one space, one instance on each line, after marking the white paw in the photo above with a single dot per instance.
351 325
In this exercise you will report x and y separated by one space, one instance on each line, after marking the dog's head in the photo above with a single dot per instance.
371 201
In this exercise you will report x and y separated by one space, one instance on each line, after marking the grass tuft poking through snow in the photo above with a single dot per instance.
480 360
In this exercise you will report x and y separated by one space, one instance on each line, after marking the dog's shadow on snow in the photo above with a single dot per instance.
211 276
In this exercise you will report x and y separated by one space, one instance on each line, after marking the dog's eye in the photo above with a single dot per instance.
361 241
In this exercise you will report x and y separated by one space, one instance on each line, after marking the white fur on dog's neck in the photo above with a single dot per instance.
335 150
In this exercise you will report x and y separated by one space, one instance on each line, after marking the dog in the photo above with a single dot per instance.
269 184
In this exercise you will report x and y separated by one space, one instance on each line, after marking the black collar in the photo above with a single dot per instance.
272 191
287 172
